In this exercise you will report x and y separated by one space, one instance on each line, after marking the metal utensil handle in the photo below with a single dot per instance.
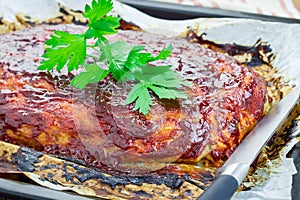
222 188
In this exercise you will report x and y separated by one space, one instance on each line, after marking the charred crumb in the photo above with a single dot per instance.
71 164
63 11
173 181
85 174
196 184
66 16
55 182
120 190
77 22
246 188
55 21
170 180
113 181
207 177
124 25
50 175
46 167
143 193
25 158
188 193
159 181
68 176
267 48
136 181
30 23
43 179
261 52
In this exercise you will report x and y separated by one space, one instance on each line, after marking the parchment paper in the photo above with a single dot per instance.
285 43
283 38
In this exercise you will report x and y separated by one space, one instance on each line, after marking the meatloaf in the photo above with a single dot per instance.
93 126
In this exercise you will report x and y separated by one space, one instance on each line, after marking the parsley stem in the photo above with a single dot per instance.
96 49
124 61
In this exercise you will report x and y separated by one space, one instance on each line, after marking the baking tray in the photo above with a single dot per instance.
18 190
174 11
10 189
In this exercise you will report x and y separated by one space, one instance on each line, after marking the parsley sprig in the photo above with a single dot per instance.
123 61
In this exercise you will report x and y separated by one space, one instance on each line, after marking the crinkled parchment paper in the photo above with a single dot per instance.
283 39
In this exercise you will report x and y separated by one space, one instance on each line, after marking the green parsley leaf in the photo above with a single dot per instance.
98 10
146 72
116 51
136 58
164 93
140 94
164 54
65 48
92 33
106 26
170 79
123 61
160 76
161 80
93 74
115 55
99 24
101 40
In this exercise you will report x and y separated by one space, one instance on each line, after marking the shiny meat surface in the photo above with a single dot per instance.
94 127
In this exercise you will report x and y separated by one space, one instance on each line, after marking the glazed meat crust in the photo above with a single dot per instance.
93 126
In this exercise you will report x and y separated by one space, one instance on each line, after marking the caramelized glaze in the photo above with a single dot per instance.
40 110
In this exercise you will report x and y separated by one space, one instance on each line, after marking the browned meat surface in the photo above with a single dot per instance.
93 126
